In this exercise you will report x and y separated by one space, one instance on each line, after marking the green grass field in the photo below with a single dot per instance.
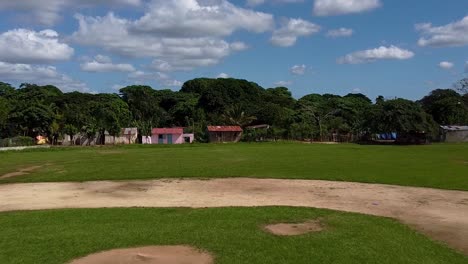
438 166
232 235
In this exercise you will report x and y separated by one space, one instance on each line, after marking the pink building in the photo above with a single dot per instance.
170 136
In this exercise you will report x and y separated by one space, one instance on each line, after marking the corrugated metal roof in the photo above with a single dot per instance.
224 129
173 130
455 128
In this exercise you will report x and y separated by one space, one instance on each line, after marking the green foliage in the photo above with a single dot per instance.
236 116
446 106
401 116
45 110
17 142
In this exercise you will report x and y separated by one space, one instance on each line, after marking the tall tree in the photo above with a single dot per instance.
446 106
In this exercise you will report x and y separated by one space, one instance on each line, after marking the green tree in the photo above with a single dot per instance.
237 116
446 106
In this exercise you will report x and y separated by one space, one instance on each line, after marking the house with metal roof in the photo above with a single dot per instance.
221 134
454 133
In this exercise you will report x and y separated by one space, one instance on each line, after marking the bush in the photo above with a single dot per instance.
17 142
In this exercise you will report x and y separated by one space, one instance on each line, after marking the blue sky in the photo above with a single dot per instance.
393 48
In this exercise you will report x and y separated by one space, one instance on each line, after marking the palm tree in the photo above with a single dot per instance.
236 116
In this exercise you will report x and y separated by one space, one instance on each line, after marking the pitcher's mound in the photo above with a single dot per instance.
148 255
284 229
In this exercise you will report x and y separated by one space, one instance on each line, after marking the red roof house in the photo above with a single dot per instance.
219 134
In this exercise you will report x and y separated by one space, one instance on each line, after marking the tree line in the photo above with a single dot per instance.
32 110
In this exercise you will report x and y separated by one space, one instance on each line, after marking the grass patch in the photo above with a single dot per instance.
232 235
438 166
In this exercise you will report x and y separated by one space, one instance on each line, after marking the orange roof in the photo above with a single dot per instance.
224 129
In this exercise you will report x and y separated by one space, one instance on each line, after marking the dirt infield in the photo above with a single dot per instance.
148 255
287 229
440 214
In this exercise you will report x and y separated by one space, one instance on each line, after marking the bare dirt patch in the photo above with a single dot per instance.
148 255
440 214
295 229
21 171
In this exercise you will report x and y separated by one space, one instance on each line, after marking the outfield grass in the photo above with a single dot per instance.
232 235
439 165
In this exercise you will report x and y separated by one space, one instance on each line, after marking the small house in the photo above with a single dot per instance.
128 135
220 134
454 133
170 136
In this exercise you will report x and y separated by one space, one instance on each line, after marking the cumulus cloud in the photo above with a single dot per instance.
446 65
260 2
342 7
340 32
223 75
47 12
381 53
451 35
162 78
104 64
291 29
41 75
193 18
238 46
28 46
283 83
178 35
298 69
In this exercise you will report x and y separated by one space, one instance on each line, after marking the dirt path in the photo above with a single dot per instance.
440 214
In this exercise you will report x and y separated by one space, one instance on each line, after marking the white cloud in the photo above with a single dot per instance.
283 83
141 75
162 78
298 69
260 2
161 65
223 75
290 30
451 35
341 7
356 90
175 45
371 55
42 75
102 59
238 46
28 46
340 32
104 64
195 18
446 65
47 12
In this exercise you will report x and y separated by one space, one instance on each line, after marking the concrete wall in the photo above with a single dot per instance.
456 136
176 139
80 139
220 137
